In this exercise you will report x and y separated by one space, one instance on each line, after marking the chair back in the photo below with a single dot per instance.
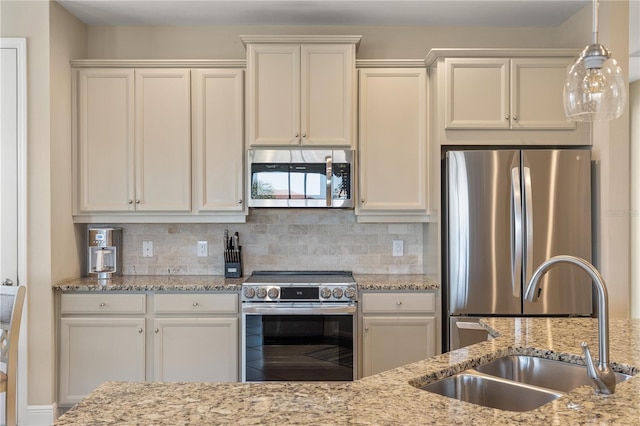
11 303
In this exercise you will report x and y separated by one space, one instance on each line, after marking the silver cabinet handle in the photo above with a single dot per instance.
130 201
137 201
102 304
506 117
7 282
366 329
304 135
297 135
195 303
515 118
329 163
362 200
156 330
240 201
398 303
140 330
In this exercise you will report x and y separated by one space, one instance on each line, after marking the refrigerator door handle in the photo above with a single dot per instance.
528 205
516 232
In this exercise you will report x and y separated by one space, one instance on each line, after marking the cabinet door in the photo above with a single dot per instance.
536 95
476 93
218 111
163 140
195 349
273 109
97 350
391 342
104 148
393 139
328 94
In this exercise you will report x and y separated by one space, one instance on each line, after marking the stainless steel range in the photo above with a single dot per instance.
299 326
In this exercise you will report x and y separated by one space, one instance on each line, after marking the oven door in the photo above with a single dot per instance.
299 342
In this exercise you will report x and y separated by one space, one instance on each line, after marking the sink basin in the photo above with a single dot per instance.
492 392
515 382
541 372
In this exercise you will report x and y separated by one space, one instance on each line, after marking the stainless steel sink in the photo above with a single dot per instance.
494 392
541 372
515 382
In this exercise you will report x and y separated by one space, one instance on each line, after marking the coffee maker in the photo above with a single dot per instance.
105 252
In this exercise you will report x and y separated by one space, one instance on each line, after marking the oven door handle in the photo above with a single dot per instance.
277 310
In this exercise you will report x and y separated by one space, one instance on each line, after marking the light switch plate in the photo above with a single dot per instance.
147 249
203 249
398 248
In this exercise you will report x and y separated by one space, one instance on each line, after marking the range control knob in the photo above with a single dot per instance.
249 292
350 292
273 292
337 292
262 292
325 293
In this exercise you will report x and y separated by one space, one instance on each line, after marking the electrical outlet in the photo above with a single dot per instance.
398 248
203 249
147 249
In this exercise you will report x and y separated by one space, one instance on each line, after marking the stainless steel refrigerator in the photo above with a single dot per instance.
507 211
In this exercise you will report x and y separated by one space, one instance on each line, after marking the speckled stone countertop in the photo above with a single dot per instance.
388 398
220 283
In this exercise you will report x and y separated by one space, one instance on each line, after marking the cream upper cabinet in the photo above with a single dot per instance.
393 149
133 140
503 93
301 94
105 178
218 139
163 140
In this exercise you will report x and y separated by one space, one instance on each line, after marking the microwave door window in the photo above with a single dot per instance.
308 181
269 181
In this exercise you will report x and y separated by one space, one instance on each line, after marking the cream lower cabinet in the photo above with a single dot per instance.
398 328
102 338
189 344
393 148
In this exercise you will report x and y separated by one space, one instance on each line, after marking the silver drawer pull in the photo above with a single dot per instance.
140 330
195 303
102 304
155 330
399 303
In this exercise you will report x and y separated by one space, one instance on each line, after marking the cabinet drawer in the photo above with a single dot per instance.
103 304
195 303
398 302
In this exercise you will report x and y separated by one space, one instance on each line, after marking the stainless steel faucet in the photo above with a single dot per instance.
602 375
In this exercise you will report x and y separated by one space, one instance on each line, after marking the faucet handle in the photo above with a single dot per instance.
604 379
591 366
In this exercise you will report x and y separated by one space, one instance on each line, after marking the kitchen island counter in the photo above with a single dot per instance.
388 398
220 283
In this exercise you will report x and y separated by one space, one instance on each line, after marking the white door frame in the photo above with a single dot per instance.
20 44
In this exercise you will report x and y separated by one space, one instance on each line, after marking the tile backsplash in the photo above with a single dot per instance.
278 239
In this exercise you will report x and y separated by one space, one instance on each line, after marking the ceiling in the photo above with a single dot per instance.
483 13
448 13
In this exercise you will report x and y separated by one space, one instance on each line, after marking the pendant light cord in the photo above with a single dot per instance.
596 5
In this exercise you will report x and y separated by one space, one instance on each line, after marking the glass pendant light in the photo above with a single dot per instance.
595 88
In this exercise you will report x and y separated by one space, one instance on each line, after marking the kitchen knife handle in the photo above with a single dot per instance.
329 163
516 232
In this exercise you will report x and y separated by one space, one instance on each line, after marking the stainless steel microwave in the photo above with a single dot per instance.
301 178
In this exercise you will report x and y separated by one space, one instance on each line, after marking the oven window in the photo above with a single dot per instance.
299 348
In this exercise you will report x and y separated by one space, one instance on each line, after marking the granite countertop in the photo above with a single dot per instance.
388 398
220 283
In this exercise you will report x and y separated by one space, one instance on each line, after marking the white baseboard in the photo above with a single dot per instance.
40 415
